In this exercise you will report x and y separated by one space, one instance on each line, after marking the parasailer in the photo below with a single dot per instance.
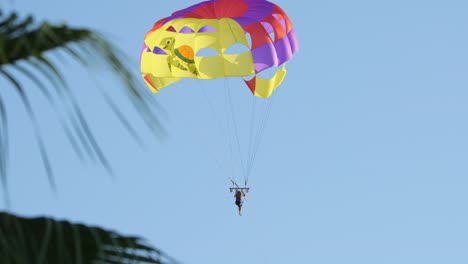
239 194
174 48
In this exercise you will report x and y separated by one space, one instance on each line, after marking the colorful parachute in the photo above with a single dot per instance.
171 49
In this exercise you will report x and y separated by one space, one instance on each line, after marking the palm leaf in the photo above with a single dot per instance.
24 50
49 241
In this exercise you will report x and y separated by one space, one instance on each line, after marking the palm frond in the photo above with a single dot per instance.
4 149
37 133
46 240
24 45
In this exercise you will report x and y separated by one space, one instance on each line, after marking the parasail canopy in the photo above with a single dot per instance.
217 39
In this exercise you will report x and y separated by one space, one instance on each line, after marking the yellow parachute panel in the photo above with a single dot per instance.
166 63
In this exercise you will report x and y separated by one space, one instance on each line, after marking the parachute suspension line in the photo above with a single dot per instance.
255 143
218 122
263 128
251 134
233 181
236 134
229 131
201 144
260 133
213 112
244 170
252 124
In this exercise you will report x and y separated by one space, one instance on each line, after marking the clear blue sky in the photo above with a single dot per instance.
364 159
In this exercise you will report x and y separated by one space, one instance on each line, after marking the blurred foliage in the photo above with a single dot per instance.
25 48
48 241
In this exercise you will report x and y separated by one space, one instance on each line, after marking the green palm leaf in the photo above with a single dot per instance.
24 50
48 241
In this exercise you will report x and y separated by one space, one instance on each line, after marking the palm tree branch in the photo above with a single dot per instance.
64 92
28 42
98 46
56 241
4 150
30 75
37 132
42 39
